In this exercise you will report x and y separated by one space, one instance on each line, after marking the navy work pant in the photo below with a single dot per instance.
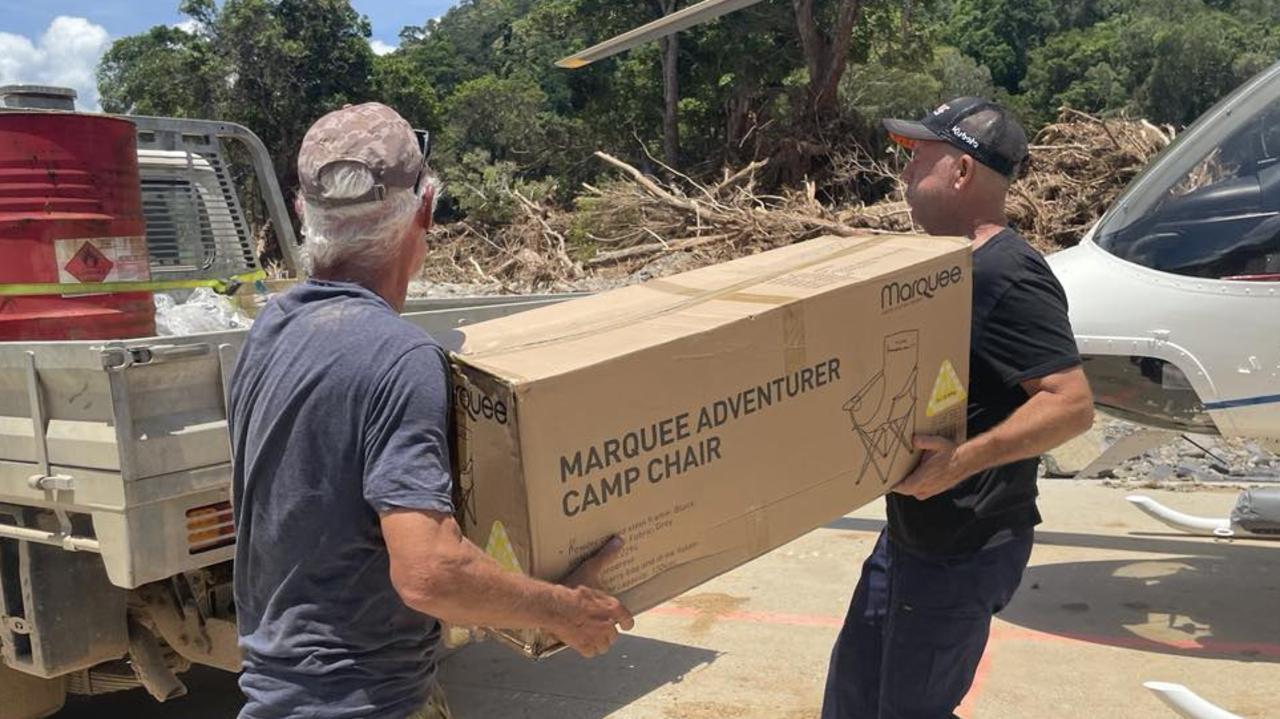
916 630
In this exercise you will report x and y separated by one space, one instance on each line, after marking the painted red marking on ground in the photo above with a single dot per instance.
778 618
1000 630
966 708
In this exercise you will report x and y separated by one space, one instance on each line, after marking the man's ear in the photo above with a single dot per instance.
425 218
966 170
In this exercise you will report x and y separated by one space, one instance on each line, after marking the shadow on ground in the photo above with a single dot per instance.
487 680
482 681
1207 598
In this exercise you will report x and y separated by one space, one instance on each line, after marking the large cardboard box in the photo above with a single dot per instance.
711 416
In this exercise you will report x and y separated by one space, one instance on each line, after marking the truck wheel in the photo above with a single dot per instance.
28 697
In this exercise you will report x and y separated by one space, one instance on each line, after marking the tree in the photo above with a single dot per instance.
292 61
825 53
670 86
1000 33
397 82
1166 61
1192 67
1079 69
164 71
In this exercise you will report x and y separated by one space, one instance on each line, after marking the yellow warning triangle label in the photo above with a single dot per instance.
947 391
499 547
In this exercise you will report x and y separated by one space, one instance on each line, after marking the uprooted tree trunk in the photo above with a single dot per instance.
670 46
800 155
825 54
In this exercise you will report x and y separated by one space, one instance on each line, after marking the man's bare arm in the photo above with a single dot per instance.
439 572
1060 406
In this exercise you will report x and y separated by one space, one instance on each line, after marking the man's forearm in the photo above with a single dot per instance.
1046 421
467 587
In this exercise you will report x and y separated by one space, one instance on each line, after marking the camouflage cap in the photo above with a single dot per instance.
371 135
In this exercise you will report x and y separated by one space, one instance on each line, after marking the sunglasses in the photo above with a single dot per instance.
424 144
908 143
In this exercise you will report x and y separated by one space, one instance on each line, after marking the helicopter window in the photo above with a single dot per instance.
1210 206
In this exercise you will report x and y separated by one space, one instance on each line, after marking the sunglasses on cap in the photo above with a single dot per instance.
908 143
424 144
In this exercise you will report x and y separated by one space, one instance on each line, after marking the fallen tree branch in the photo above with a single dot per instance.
603 258
648 184
739 175
558 246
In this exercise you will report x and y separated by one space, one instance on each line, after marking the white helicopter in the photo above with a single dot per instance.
1174 294
1175 297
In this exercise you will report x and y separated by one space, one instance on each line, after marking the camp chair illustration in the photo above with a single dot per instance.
883 412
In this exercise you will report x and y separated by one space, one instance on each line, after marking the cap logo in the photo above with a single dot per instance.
942 108
965 137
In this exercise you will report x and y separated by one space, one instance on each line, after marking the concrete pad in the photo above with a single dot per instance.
1071 458
1111 599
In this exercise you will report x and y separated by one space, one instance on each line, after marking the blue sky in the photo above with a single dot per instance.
126 17
59 41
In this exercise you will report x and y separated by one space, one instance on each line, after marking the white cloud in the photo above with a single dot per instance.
189 25
381 48
66 55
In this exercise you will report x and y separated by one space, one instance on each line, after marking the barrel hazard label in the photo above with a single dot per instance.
102 259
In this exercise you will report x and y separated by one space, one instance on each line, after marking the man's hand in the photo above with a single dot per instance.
436 571
938 471
591 617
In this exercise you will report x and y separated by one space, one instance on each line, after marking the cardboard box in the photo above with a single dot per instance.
711 416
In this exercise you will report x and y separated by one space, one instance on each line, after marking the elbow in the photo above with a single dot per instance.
1083 414
427 589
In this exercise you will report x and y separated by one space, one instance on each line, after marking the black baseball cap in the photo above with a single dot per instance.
977 127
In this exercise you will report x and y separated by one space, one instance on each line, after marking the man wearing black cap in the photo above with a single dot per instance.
960 526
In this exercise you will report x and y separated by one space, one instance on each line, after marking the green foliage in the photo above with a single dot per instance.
164 71
271 65
1166 61
484 188
1000 33
398 82
887 91
481 78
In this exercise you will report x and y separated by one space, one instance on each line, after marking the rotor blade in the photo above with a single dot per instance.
675 22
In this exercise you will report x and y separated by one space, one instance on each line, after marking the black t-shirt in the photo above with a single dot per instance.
1020 332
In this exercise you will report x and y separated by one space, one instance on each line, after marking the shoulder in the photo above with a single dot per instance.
407 355
1008 260
1012 276
1007 254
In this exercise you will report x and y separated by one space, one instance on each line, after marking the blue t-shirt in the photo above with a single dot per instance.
339 412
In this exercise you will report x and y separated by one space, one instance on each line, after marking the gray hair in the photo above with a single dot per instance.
362 237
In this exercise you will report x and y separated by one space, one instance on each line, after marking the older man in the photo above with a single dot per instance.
347 552
960 526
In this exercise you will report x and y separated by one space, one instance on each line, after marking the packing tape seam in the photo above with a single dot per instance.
795 340
693 300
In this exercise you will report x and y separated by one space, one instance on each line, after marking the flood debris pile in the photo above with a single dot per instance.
636 226
1079 166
